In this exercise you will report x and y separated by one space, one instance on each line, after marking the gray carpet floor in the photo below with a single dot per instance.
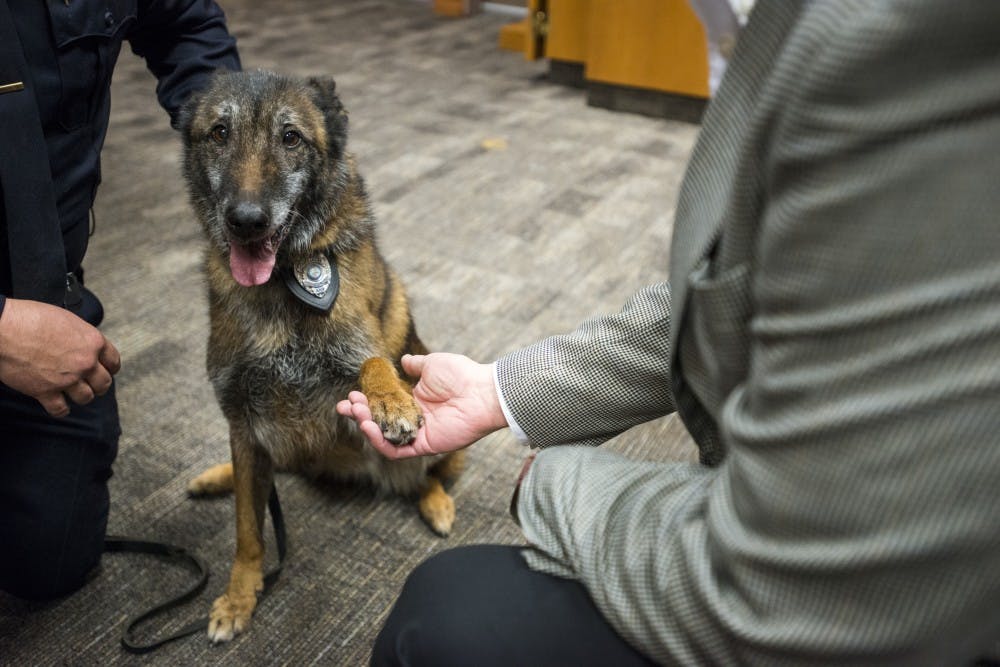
512 211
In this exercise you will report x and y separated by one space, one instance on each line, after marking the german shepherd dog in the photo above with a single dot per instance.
288 222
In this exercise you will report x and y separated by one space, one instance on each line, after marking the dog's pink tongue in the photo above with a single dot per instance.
251 264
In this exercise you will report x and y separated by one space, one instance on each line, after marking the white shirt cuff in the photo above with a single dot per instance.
518 432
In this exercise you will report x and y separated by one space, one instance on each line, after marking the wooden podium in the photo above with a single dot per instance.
647 56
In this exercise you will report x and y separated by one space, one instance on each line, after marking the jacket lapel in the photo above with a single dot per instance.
712 194
720 197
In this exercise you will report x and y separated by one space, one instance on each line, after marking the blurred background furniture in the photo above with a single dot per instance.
456 7
643 56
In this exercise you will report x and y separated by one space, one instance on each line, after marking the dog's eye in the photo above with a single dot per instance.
219 134
291 139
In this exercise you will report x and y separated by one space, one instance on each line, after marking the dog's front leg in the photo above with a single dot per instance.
253 474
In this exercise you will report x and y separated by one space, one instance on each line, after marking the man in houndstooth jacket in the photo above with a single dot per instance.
834 349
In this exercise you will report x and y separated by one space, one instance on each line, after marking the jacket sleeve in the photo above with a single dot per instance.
586 387
854 520
183 42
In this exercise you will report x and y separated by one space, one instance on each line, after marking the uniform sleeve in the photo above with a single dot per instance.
586 387
854 519
183 42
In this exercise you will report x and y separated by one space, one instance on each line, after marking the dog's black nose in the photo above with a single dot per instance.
246 220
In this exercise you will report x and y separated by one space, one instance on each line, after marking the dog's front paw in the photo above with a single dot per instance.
397 415
230 616
389 400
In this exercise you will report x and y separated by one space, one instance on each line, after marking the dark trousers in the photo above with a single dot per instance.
54 490
482 605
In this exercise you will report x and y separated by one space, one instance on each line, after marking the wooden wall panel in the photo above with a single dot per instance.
569 21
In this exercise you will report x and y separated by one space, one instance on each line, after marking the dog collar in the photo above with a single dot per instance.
315 281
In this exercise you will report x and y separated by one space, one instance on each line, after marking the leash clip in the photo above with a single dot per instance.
74 293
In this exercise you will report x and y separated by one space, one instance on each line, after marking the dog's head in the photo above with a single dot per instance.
263 158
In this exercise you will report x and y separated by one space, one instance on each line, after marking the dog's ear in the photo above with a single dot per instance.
325 94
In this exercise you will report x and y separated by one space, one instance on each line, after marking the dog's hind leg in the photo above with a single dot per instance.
436 507
449 467
216 480
253 474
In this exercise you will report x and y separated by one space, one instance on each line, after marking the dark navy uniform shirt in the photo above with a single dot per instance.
71 47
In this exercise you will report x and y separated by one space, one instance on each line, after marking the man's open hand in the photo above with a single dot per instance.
456 397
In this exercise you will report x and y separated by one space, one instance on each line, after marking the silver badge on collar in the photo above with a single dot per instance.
315 281
314 275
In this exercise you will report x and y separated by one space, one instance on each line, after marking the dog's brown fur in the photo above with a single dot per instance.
274 146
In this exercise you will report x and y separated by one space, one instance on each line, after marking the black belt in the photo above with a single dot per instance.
184 558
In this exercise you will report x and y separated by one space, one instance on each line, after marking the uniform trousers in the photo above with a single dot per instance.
54 488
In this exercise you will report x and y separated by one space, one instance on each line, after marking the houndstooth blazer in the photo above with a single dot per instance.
834 350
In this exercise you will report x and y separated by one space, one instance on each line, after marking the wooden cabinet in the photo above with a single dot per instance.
647 53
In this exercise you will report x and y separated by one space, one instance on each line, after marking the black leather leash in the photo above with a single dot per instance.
115 544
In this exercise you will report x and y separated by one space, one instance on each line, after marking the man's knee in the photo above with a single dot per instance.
42 568
51 539
482 605
404 639
53 494
436 619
